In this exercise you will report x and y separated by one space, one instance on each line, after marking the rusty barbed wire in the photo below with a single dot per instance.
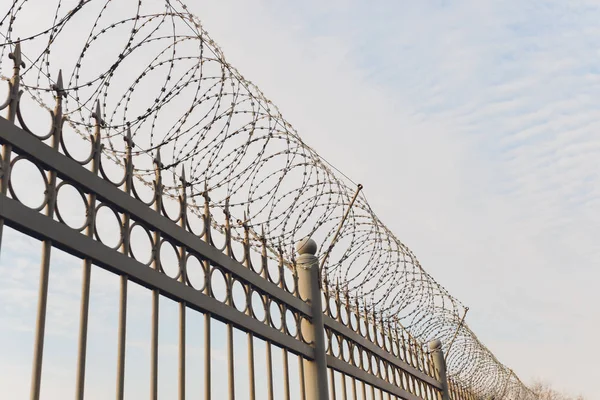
156 72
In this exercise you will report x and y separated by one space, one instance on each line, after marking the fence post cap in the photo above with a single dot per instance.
435 344
306 246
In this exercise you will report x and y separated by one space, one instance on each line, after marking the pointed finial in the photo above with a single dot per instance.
182 178
58 87
205 192
59 80
157 159
226 208
97 114
16 56
127 138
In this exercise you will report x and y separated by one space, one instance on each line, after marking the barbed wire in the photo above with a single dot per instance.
156 72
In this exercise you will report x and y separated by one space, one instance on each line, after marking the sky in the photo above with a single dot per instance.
472 126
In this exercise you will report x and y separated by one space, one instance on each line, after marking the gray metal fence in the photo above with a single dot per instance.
278 303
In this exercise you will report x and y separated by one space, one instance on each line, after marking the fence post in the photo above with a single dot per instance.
440 364
315 371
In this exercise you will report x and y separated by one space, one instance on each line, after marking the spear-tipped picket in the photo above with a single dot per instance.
367 319
280 265
227 214
128 160
385 323
59 87
97 137
57 115
15 82
207 216
17 57
337 299
357 308
263 253
347 304
371 318
97 114
158 189
325 285
158 186
382 329
158 160
183 199
128 187
246 242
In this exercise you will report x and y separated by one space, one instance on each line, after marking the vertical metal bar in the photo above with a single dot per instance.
182 323
251 377
83 328
158 188
364 390
40 328
122 336
286 373
154 348
354 392
183 280
331 384
123 293
207 363
87 263
344 390
302 378
40 325
230 370
405 349
269 372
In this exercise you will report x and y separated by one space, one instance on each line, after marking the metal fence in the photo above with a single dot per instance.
280 304
262 299
347 325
